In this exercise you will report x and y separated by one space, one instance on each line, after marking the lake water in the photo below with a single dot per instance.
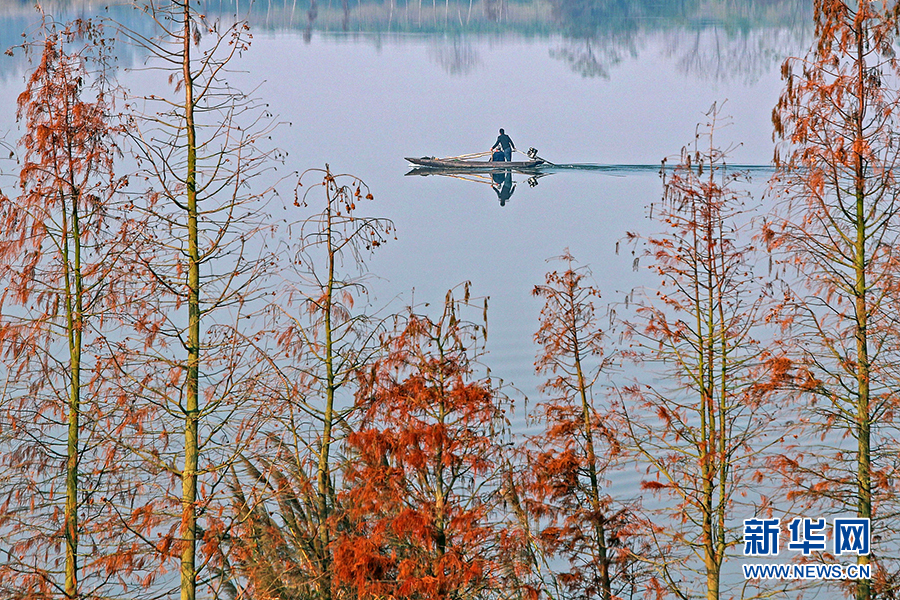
362 103
362 100
409 81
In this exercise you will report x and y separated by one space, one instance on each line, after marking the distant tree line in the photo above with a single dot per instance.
572 18
713 39
199 400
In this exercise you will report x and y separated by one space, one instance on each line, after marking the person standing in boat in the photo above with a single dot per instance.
505 143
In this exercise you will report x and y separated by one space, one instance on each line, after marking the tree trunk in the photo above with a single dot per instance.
323 471
74 301
861 260
596 506
192 407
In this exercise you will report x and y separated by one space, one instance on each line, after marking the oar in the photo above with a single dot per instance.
462 156
469 178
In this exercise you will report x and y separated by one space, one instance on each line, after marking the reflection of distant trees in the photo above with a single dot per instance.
19 20
493 10
589 18
456 57
601 33
579 19
595 58
714 39
715 54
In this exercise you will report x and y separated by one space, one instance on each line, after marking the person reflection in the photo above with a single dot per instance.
504 185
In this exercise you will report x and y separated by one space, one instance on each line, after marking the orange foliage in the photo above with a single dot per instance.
564 511
60 244
421 486
838 227
703 423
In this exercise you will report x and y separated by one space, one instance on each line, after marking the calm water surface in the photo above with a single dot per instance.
363 101
629 96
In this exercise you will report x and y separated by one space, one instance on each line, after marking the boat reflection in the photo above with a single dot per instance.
502 181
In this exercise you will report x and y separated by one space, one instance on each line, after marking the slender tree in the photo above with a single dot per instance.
570 462
703 425
60 262
193 360
838 227
326 338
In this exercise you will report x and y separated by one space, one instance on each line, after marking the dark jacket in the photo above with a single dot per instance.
504 141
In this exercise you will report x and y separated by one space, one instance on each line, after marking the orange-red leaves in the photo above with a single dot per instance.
423 459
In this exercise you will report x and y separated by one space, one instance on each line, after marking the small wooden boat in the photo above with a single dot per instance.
474 165
486 172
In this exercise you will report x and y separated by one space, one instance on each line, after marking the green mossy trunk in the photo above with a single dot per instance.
74 302
861 309
323 469
594 492
192 403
